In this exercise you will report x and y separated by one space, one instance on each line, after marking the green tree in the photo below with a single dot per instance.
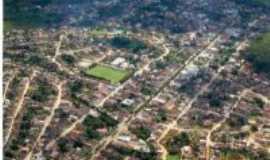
174 144
62 145
161 116
91 133
124 42
68 59
259 53
142 132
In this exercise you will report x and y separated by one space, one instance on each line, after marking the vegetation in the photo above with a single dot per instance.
68 59
92 134
237 121
259 102
161 116
25 124
160 65
125 43
262 3
32 59
110 122
175 57
226 54
174 144
107 73
173 157
92 123
214 100
24 14
147 90
242 154
121 152
8 26
98 31
259 54
142 132
29 59
42 92
75 86
62 145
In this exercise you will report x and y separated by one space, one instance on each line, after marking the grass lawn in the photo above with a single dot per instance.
173 157
8 26
108 73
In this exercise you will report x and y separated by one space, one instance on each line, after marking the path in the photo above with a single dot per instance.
115 91
105 142
7 85
58 46
220 124
19 107
48 119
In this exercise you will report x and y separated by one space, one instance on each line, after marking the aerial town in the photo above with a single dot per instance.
136 80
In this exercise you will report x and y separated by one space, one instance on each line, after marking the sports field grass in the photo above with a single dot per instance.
107 73
173 157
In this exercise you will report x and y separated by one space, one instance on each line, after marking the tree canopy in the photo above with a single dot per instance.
126 43
259 53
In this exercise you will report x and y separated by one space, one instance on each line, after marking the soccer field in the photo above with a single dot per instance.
108 73
173 157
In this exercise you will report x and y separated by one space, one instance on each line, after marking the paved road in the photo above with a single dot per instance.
106 141
115 91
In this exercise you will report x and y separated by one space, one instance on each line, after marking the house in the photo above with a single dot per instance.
124 138
127 102
118 61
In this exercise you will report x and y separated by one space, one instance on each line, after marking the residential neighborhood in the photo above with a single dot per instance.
137 80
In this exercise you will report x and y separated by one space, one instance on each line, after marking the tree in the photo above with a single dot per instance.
215 102
142 132
160 65
124 42
68 59
91 133
110 122
259 102
174 144
147 90
252 3
161 116
93 122
62 145
259 54
42 92
76 86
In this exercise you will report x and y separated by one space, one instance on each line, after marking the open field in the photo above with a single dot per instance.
107 73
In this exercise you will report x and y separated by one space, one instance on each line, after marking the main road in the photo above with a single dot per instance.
106 141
